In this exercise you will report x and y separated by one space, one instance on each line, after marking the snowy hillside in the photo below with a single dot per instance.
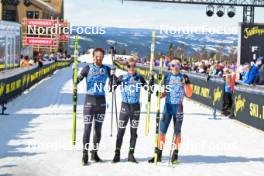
139 40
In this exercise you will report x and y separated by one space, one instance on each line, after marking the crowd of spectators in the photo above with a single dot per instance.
246 74
232 74
26 61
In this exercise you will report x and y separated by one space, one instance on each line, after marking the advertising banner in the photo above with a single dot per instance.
42 23
251 42
40 41
13 86
45 33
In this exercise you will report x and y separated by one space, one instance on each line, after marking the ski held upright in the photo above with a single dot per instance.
75 89
159 94
152 55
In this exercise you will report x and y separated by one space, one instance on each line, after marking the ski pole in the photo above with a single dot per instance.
113 99
116 111
75 89
214 112
112 109
113 58
160 78
171 149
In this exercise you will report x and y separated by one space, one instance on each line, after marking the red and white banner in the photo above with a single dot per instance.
40 41
48 32
42 23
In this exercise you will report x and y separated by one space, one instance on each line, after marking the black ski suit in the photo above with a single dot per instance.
130 108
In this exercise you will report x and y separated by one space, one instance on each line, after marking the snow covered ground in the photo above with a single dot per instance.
36 139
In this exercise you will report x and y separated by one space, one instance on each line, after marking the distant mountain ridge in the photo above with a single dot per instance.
139 41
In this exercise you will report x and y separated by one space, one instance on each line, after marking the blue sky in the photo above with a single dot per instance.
111 13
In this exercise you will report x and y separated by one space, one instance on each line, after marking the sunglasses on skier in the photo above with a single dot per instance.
175 65
131 66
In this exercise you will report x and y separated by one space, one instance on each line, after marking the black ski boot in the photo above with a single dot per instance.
85 158
174 157
158 152
131 157
95 157
117 156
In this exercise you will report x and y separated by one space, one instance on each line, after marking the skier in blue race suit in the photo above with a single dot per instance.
130 107
177 85
96 75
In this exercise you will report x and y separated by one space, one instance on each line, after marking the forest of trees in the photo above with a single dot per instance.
202 54
180 51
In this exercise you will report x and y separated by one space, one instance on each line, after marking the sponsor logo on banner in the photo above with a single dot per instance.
40 41
254 31
34 22
239 104
217 95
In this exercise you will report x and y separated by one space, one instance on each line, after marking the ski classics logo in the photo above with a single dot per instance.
239 104
217 95
2 88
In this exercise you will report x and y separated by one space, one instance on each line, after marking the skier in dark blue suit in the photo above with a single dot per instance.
131 84
96 75
177 85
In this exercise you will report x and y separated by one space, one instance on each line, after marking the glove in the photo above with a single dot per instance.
208 78
163 94
186 79
112 82
151 81
160 76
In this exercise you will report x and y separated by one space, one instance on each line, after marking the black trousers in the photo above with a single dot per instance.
94 113
227 104
129 112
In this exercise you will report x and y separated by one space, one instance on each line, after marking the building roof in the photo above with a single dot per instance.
45 5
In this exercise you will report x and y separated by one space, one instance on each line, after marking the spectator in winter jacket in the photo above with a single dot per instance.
249 75
25 62
260 76
40 59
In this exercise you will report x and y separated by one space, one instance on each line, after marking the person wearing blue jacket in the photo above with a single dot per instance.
260 77
249 77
